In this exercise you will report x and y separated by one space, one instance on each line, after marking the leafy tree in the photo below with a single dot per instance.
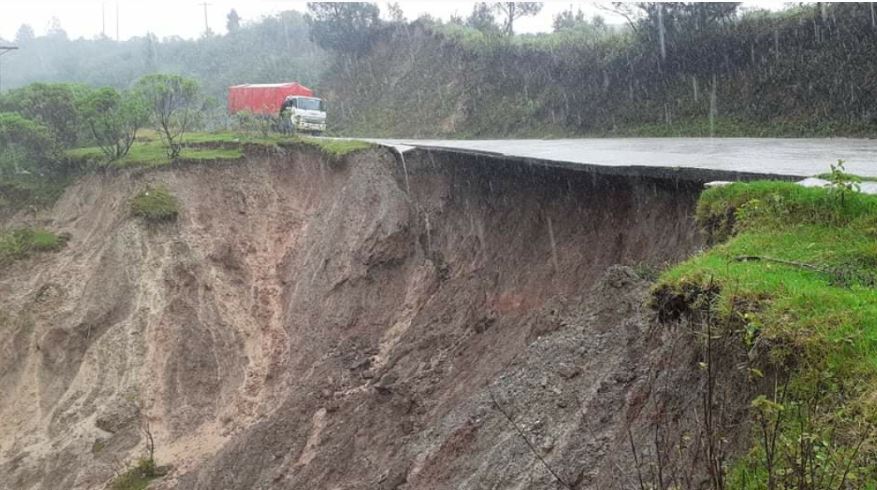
482 18
24 35
233 21
114 119
396 13
341 26
172 103
50 104
512 11
26 146
55 30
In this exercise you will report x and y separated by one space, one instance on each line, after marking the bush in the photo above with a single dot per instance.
113 119
138 477
155 204
26 146
24 242
50 104
172 101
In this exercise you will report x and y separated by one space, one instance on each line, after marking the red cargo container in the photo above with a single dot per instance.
263 98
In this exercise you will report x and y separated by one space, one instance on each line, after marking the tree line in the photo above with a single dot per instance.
38 122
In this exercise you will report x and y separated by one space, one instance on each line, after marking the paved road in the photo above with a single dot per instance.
769 156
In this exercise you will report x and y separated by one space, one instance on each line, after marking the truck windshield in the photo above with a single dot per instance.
309 104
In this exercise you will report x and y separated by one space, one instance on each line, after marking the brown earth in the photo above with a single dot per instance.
354 324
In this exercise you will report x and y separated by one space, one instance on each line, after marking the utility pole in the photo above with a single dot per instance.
4 50
117 20
206 27
103 20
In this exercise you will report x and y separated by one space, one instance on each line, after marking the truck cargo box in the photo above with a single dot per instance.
263 98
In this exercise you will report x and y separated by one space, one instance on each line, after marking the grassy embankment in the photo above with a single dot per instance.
148 151
17 192
794 276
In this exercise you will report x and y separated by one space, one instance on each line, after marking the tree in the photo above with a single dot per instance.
482 18
51 104
512 11
569 20
24 35
342 27
233 21
172 102
114 119
26 146
396 13
55 30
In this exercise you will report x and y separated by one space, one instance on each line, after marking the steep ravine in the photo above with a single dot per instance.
316 323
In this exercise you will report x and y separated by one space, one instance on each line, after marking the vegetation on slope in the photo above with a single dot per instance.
155 204
718 71
137 477
794 275
22 243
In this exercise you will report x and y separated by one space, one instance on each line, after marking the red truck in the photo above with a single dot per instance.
292 102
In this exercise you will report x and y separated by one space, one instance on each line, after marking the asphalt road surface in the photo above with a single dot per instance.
769 156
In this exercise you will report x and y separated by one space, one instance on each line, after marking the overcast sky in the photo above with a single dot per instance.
185 18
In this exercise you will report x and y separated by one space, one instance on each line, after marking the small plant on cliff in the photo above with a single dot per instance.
155 204
137 477
24 242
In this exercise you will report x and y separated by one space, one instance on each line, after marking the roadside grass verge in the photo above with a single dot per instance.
148 151
155 204
22 243
794 272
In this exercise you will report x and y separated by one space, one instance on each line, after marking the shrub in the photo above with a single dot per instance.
113 119
138 477
155 204
23 242
25 146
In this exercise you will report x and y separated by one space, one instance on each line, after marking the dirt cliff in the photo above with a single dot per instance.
349 324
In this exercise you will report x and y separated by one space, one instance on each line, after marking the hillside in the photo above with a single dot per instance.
306 318
807 70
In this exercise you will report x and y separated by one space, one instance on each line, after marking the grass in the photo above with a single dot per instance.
138 477
148 150
155 204
22 243
810 296
336 148
151 153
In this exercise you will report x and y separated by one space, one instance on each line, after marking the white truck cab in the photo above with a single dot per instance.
304 113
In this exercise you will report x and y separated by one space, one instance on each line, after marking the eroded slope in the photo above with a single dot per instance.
309 323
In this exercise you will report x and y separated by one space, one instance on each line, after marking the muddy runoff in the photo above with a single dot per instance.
456 322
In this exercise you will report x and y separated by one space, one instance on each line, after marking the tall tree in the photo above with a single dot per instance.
482 18
512 11
24 35
343 26
233 21
396 13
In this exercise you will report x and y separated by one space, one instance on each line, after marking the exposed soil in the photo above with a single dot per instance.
354 324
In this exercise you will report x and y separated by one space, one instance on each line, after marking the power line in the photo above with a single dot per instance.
4 50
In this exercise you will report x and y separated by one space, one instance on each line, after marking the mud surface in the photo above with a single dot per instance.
353 324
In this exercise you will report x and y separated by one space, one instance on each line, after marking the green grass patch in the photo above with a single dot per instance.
151 153
155 204
230 146
336 148
24 242
138 477
795 269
